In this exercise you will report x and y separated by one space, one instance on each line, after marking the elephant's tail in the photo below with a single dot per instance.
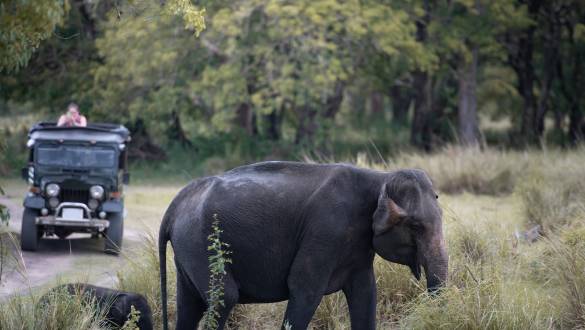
163 238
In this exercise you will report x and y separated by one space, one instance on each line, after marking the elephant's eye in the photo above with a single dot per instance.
415 225
436 196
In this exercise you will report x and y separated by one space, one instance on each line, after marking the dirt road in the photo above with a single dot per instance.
78 258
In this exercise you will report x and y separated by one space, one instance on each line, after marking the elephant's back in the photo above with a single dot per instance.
260 209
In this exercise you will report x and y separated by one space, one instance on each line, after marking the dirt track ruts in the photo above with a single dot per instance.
75 258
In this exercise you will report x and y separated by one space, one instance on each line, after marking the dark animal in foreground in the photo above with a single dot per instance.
117 303
300 231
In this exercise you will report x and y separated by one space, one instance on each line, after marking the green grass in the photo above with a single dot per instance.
496 281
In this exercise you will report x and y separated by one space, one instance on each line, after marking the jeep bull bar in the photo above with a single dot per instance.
68 220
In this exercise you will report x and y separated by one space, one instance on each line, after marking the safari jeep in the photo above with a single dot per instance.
76 177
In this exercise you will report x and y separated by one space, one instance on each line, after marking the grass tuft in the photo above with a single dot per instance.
566 266
554 197
56 310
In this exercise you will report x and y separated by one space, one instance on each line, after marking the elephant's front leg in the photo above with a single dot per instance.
300 309
360 292
307 282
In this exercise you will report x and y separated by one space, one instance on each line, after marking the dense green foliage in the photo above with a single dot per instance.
252 79
23 25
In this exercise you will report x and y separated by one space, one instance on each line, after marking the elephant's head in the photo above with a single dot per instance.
408 227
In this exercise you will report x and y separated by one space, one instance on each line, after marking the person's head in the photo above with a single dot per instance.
73 109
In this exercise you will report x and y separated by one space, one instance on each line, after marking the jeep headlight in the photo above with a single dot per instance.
96 192
52 189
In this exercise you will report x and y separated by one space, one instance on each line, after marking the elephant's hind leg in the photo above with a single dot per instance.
230 298
190 305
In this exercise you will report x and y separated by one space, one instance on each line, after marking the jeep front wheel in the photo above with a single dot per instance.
114 234
29 232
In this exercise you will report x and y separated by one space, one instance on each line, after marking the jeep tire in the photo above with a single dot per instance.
114 234
29 232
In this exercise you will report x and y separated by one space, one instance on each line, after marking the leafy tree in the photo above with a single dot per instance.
23 25
146 71
306 74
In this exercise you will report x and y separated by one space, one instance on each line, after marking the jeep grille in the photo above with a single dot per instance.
75 195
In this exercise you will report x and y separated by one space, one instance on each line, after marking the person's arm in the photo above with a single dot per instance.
82 121
62 120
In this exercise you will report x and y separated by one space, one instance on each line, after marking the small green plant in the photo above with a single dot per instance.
218 259
133 318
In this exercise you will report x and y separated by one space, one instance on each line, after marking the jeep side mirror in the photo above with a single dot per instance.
126 178
24 173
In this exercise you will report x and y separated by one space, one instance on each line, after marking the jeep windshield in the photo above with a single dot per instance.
76 156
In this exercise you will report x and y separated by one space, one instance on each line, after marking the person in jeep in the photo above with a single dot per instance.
72 117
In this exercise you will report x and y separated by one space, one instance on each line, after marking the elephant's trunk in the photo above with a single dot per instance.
435 263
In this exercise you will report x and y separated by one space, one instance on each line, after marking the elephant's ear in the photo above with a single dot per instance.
387 214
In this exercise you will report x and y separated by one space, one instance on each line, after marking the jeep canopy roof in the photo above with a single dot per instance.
98 132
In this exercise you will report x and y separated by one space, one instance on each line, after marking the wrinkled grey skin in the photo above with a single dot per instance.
300 231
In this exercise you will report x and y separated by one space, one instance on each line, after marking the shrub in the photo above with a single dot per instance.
13 151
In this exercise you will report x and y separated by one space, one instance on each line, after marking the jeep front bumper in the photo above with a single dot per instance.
51 220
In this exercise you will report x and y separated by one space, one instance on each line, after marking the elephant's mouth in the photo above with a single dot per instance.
415 269
415 265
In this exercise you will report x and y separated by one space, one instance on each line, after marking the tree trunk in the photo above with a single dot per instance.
525 74
576 125
309 117
551 53
400 98
245 119
274 120
333 102
420 133
467 102
88 22
520 56
571 87
307 125
176 132
376 102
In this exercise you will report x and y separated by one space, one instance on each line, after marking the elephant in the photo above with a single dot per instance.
299 231
117 303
